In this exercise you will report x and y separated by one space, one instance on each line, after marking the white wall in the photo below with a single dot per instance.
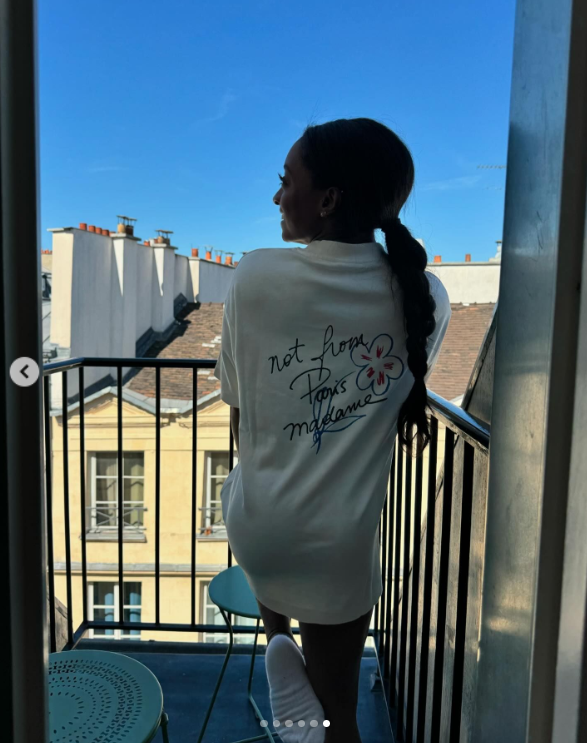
107 292
469 283
145 278
214 281
183 278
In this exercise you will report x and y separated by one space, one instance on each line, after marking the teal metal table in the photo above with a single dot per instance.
96 695
231 593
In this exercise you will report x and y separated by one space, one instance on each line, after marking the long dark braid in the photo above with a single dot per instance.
408 262
374 169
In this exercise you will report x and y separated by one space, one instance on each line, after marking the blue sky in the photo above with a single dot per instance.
181 113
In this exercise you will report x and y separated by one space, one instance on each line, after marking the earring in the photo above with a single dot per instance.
322 214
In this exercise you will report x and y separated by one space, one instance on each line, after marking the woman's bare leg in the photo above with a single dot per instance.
333 660
274 623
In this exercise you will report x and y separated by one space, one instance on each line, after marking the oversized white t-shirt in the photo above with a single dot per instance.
313 354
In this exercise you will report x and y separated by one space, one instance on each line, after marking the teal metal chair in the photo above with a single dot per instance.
231 593
95 695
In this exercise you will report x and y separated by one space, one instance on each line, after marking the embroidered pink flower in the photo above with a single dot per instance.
378 366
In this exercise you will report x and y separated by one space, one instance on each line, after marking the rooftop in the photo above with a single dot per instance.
197 336
460 348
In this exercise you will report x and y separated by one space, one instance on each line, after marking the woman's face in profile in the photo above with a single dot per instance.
298 201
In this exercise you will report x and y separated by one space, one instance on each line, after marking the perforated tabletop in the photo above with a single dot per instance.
101 697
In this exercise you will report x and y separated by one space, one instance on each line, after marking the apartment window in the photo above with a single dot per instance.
217 472
103 508
210 614
104 606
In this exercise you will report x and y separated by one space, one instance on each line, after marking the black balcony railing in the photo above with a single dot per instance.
411 617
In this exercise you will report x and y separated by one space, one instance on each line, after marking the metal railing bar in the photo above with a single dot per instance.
442 585
230 467
383 544
120 498
131 362
66 515
194 490
427 588
459 421
415 597
157 495
49 496
463 592
405 595
186 627
82 469
391 511
398 527
77 636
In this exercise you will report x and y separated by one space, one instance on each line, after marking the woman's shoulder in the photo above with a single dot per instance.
262 261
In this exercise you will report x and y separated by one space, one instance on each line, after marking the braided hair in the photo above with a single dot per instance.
375 171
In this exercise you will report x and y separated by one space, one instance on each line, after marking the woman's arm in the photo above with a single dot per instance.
234 421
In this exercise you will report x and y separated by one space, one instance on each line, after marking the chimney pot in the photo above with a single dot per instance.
228 260
83 226
194 252
147 242
91 228
468 257
209 255
121 229
437 259
235 264
129 229
218 259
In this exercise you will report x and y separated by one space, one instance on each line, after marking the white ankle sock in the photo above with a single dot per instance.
291 693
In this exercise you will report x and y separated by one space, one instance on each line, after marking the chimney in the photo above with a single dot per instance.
83 226
228 260
163 237
467 257
218 259
194 252
437 259
235 264
209 255
125 225
91 228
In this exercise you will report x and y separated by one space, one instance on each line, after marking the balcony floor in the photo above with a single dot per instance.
188 679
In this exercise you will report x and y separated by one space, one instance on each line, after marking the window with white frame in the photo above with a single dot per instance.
217 463
103 509
210 614
104 606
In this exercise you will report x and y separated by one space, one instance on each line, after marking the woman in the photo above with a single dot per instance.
325 354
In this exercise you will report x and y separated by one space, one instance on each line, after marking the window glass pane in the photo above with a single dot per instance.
215 488
219 462
106 489
216 514
104 594
133 489
106 464
133 464
104 615
132 594
133 516
132 615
